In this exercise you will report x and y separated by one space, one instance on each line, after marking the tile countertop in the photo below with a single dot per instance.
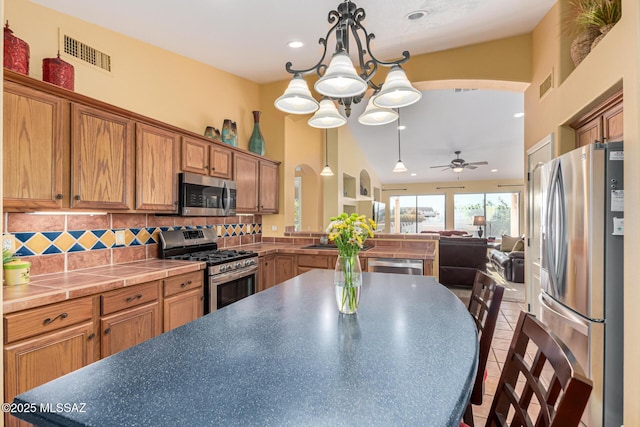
50 288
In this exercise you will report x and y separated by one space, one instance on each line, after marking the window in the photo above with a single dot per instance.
413 214
501 210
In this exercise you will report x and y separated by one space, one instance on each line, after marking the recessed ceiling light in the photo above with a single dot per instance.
295 44
416 15
494 170
414 174
518 115
402 127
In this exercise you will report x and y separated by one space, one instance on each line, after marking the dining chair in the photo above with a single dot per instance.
484 307
540 368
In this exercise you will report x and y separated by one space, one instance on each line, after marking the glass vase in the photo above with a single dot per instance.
347 280
256 141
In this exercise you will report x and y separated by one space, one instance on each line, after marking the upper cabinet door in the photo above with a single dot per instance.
102 153
268 187
220 161
156 169
195 156
34 146
245 169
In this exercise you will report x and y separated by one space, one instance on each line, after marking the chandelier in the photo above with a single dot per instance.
339 81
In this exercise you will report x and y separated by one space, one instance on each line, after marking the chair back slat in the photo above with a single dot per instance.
561 399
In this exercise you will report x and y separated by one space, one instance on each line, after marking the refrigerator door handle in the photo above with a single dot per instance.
550 241
562 234
579 324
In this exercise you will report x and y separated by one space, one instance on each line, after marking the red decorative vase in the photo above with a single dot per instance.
16 52
57 72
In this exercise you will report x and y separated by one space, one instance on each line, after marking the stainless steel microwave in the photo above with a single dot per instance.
201 195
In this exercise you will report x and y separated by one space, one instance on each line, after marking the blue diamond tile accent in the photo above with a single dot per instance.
23 237
23 251
150 241
98 245
135 242
134 231
52 235
77 233
76 248
98 233
53 249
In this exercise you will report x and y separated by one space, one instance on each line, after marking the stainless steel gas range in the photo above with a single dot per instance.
230 274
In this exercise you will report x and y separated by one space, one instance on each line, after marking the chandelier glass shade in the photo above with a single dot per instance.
327 116
340 80
374 115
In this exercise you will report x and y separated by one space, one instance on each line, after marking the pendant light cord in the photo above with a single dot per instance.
326 148
398 111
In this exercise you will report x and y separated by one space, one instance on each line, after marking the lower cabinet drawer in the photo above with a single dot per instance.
129 297
183 282
313 261
38 321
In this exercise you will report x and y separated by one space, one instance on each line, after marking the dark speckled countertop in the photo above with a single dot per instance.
285 356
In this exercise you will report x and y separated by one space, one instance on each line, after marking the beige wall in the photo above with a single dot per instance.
611 65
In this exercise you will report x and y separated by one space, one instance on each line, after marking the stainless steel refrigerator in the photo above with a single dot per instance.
582 268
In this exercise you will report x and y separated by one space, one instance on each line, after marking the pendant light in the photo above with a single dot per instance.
374 115
326 171
327 116
400 167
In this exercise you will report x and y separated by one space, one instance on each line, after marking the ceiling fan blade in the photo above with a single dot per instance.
470 166
478 163
441 166
446 168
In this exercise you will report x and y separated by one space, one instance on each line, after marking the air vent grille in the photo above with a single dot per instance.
458 90
86 53
546 85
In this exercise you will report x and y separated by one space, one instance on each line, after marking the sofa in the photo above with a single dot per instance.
508 258
460 258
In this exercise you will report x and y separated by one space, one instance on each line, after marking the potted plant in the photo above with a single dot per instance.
591 20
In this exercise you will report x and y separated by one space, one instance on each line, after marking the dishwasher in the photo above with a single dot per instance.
395 265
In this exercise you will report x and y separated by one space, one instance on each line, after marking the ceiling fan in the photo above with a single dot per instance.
458 164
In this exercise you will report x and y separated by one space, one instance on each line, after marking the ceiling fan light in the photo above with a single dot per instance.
374 115
400 167
397 90
297 98
327 116
326 171
341 79
458 169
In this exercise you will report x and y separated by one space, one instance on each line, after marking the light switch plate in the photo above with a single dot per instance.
274 228
9 242
119 237
219 231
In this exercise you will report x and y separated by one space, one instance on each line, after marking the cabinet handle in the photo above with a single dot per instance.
49 320
202 298
90 337
107 331
77 197
182 285
59 196
129 299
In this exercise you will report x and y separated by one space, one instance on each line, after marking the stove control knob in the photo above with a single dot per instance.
224 268
238 265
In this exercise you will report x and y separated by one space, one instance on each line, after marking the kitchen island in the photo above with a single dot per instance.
285 356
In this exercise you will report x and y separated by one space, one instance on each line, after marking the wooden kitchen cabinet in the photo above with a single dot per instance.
603 124
257 184
102 156
45 343
156 169
183 299
35 143
285 267
129 316
205 158
267 272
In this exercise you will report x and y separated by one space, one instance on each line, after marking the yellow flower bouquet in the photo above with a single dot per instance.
349 232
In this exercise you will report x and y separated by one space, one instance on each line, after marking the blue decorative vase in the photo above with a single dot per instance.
256 141
229 132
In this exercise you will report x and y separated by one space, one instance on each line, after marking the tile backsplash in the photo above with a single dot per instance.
58 243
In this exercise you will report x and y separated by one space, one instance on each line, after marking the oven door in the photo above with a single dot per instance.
227 288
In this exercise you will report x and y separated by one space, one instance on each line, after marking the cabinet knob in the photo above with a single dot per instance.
59 196
77 197
90 337
49 320
107 331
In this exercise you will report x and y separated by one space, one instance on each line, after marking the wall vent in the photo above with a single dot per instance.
546 85
458 90
86 53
